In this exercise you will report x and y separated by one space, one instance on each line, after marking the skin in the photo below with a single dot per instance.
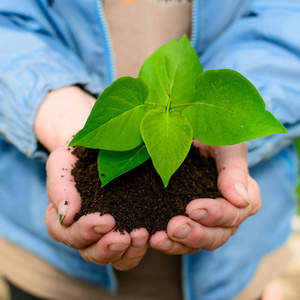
210 224
273 291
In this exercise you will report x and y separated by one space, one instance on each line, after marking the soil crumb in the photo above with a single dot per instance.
138 199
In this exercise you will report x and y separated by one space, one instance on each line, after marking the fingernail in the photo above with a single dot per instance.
198 214
164 245
117 247
102 229
182 231
62 210
139 243
241 190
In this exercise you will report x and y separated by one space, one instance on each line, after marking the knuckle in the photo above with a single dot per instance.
178 248
231 218
87 256
237 218
256 200
68 240
220 239
218 213
199 240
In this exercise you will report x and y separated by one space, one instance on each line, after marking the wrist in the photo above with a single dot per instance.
61 115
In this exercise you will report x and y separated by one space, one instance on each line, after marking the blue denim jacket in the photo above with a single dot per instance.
46 45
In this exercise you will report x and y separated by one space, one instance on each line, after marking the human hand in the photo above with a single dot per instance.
61 115
211 222
92 235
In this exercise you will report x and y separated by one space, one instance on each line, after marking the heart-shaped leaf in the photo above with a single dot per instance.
168 138
112 164
114 122
229 110
171 71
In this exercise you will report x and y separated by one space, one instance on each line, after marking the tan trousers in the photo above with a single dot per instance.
157 277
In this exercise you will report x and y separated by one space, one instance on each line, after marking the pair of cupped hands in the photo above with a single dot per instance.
209 224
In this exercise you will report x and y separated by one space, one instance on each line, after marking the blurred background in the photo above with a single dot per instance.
290 278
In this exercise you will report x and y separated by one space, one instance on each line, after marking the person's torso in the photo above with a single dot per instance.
114 37
82 26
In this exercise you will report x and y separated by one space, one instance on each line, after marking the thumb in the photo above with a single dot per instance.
61 189
232 166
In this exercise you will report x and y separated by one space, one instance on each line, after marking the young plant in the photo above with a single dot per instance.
171 103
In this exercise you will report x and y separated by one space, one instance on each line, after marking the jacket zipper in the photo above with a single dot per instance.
194 38
109 49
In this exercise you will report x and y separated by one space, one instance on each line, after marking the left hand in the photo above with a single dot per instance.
211 222
93 235
62 113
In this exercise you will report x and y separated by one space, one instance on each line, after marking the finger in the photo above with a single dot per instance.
194 235
220 212
160 241
254 194
217 212
87 230
232 167
135 252
61 189
108 249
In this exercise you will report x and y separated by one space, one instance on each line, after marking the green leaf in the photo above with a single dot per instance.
171 71
168 137
114 122
229 110
112 164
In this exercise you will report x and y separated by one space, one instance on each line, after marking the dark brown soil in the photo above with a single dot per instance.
138 198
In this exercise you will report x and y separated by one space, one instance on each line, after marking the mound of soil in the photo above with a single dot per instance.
138 199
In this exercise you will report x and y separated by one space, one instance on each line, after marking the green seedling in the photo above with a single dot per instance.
172 102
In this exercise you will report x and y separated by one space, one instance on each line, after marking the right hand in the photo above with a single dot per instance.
211 222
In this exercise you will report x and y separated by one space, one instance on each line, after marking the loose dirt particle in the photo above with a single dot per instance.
138 198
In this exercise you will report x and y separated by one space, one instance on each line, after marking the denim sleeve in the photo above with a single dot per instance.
264 46
34 60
